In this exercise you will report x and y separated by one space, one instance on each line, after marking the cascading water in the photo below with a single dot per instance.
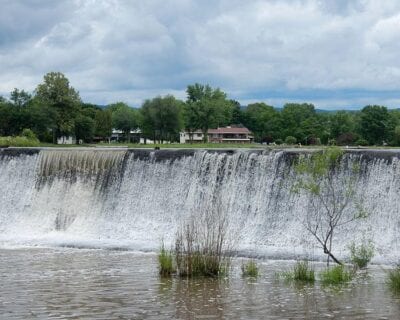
138 198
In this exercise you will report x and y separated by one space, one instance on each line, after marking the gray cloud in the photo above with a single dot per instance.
131 50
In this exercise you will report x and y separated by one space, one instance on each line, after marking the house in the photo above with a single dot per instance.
230 134
66 140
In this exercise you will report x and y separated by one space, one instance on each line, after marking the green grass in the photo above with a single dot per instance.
165 262
361 255
250 269
301 272
393 280
335 276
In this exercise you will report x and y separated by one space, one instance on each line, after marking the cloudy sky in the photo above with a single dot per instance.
335 54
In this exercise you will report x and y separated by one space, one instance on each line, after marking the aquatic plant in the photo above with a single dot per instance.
250 269
201 245
361 255
393 280
165 262
336 275
301 272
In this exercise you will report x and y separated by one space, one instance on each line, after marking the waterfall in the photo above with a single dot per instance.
138 198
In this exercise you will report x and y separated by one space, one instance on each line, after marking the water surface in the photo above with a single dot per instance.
38 283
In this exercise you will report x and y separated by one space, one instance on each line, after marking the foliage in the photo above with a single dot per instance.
165 262
29 134
361 142
361 255
393 280
162 118
250 269
18 142
331 195
201 246
56 93
84 128
53 109
374 124
103 123
290 140
263 120
301 272
20 98
124 118
278 141
336 275
207 108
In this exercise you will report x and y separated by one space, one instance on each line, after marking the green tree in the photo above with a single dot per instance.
300 121
124 118
207 107
20 98
103 123
263 120
84 128
162 118
56 93
374 124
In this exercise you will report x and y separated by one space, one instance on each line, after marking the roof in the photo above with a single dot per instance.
242 130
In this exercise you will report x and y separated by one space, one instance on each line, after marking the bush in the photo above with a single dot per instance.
250 269
290 140
165 262
361 255
394 280
18 142
336 275
278 141
362 142
29 134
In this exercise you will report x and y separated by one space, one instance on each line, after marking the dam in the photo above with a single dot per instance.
135 199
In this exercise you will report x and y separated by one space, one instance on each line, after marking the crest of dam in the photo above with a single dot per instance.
138 198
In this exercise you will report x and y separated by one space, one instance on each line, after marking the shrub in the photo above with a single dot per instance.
336 275
361 255
18 142
278 141
290 140
29 134
250 269
165 262
362 142
394 280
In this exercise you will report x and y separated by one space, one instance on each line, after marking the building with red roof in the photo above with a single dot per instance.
229 134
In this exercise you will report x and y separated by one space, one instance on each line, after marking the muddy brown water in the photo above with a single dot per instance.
42 283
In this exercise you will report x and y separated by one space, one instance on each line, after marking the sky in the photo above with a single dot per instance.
341 54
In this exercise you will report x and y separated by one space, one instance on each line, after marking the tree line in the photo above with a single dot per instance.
55 109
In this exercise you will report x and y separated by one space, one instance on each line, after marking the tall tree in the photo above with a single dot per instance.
124 118
298 119
263 120
374 124
20 98
209 107
84 128
56 92
162 118
103 124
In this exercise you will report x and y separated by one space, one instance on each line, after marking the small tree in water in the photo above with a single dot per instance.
331 194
